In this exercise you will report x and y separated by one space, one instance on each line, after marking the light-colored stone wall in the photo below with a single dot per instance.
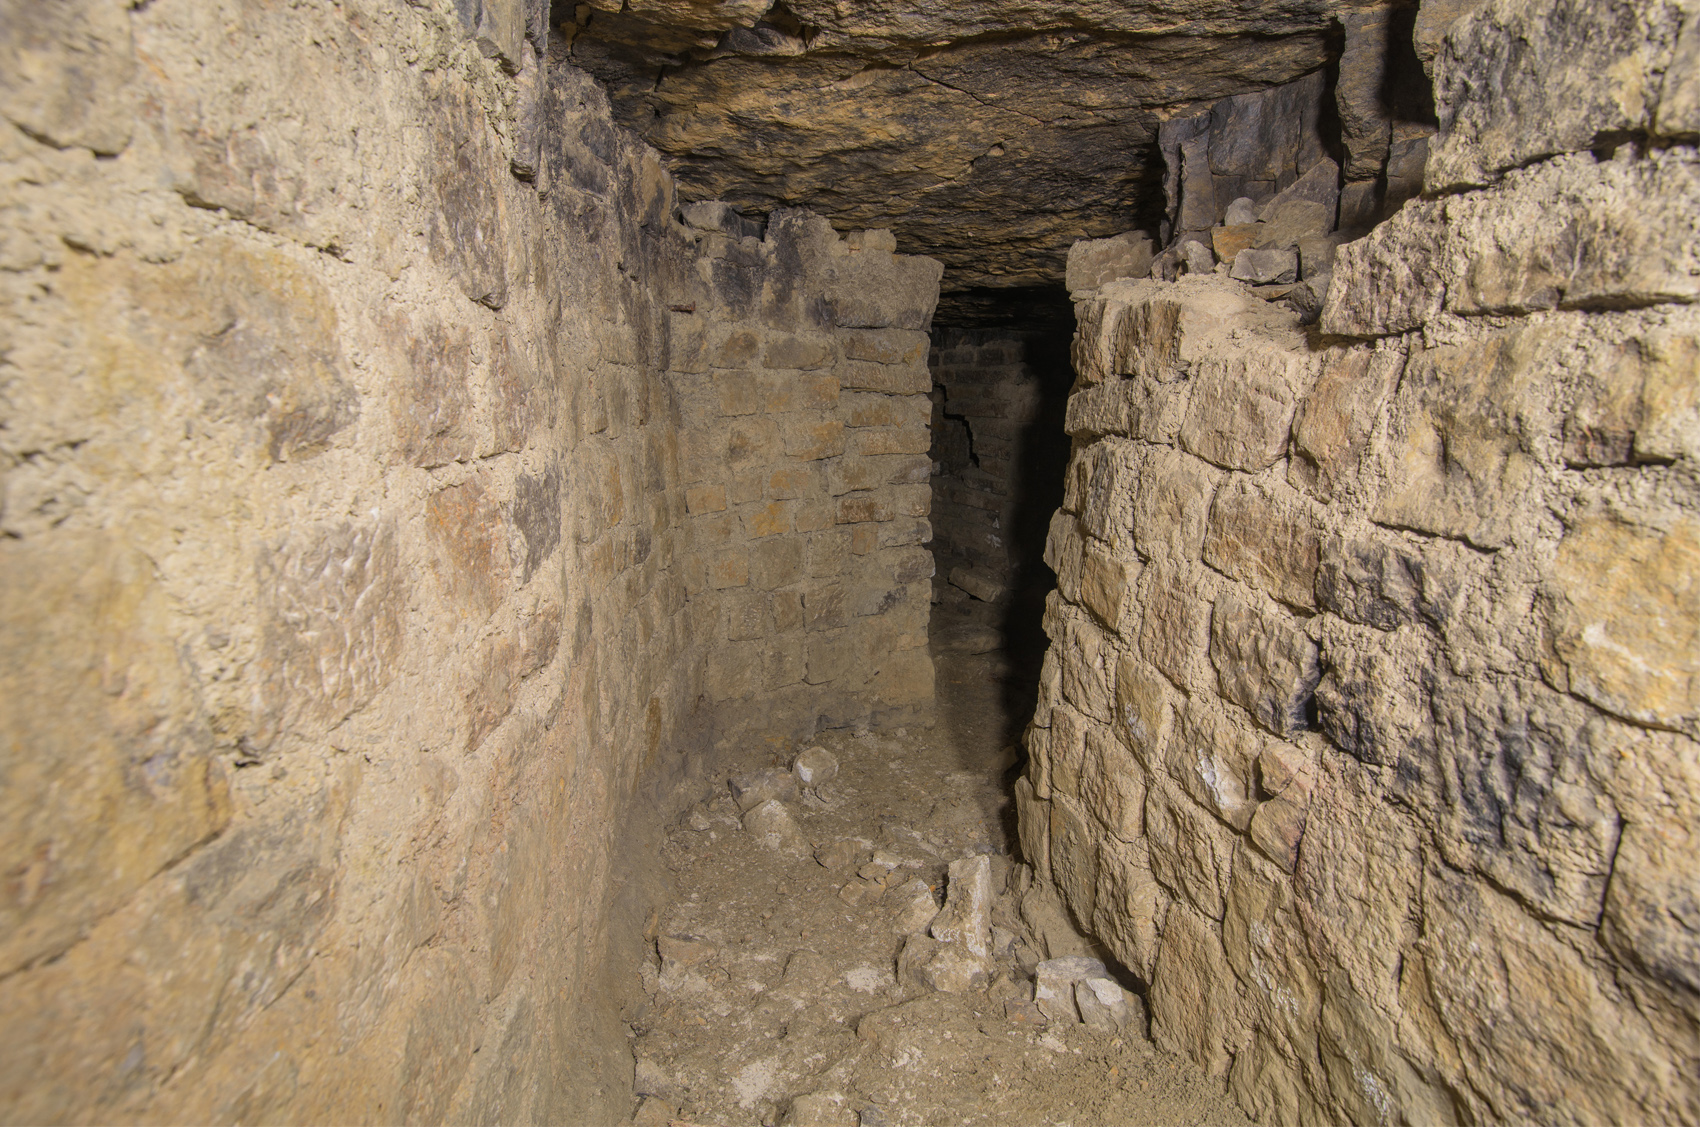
1367 735
356 621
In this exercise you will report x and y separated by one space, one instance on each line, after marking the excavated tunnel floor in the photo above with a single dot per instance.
784 984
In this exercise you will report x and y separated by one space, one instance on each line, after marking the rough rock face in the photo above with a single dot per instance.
392 491
990 136
1367 731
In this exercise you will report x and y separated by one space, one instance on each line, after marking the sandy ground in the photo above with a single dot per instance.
779 991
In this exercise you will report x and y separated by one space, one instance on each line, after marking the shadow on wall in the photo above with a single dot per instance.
999 452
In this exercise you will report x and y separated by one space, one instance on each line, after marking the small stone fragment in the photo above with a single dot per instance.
1242 210
772 823
697 820
756 787
982 587
814 766
1018 1012
1103 1004
837 854
650 1079
915 908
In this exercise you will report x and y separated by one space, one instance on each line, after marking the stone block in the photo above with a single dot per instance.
729 569
787 483
469 544
1191 852
1625 614
1290 223
875 441
1334 422
866 506
812 439
1112 785
1175 624
770 519
1106 504
1377 582
1262 267
106 756
851 474
795 352
1229 241
1104 583
1215 761
871 409
1267 540
737 348
1456 439
776 562
1074 858
1142 709
904 531
1170 506
1092 262
1513 84
891 379
1264 663
905 677
753 442
1065 553
1033 823
794 391
63 73
1131 905
705 499
1241 409
1194 999
886 346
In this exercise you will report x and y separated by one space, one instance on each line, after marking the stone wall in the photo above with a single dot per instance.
1367 735
360 602
803 449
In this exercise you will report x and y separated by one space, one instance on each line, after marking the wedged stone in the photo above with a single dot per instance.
1105 1005
1241 211
1319 184
916 908
751 789
1264 266
1264 663
1291 223
965 920
773 825
1092 262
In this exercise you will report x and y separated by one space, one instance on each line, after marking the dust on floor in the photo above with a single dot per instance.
796 974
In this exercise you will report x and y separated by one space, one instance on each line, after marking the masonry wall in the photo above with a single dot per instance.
1367 735
353 596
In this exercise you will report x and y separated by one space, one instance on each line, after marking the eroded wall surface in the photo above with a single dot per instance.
1367 735
355 615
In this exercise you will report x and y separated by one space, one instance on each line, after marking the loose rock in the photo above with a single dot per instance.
814 766
773 825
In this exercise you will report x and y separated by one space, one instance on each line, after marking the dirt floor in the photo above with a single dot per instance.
790 982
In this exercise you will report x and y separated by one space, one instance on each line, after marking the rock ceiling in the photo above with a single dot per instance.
989 135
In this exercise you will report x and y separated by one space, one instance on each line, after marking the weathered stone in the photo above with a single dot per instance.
1073 853
1092 262
1265 540
1514 84
751 790
1264 663
1142 709
1228 241
1334 422
1190 852
1456 441
1054 981
107 754
1625 610
1242 409
772 824
1174 631
1195 1007
1260 267
1214 760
